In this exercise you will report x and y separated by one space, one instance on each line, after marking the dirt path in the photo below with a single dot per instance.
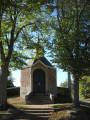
35 112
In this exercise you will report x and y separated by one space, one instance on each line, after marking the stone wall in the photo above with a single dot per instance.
25 82
52 83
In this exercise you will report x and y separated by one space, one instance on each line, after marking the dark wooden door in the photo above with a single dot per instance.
39 81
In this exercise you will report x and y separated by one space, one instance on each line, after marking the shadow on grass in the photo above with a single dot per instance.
25 113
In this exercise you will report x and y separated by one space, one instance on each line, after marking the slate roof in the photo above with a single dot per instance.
42 59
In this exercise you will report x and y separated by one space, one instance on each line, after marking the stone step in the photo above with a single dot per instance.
40 95
35 114
38 102
34 109
39 99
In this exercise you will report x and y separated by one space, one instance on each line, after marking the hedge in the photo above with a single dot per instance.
13 91
63 91
63 95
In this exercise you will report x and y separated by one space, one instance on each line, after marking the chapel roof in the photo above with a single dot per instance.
42 59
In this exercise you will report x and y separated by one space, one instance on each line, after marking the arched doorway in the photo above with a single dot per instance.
39 81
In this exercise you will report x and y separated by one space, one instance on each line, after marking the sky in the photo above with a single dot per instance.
61 77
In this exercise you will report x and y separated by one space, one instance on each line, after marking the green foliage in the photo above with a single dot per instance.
13 91
84 87
18 21
64 84
70 42
18 60
39 50
10 82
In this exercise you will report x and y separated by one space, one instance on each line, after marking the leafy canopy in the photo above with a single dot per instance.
70 42
17 20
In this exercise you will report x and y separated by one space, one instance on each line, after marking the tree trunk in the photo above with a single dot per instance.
3 86
76 90
69 83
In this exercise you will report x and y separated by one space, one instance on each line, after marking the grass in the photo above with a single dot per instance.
65 105
17 102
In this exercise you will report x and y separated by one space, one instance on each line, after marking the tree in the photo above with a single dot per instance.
70 44
84 87
10 82
16 18
64 84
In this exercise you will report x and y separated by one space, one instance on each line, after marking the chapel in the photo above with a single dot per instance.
38 81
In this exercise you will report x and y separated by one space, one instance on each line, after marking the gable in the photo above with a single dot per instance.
44 61
39 63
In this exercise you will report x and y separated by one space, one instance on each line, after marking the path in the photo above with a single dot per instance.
35 112
85 102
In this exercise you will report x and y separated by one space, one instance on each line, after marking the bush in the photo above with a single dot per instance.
13 91
63 91
63 95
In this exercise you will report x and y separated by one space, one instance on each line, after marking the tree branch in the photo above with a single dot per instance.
10 47
20 29
1 46
7 40
58 16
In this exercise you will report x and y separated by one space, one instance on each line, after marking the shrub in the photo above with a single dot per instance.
63 95
13 91
63 91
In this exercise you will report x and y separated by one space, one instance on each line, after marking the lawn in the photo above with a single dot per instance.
17 102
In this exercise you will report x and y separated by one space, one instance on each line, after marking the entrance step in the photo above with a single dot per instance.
35 114
38 99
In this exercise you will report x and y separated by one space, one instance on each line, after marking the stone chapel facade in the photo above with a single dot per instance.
38 77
